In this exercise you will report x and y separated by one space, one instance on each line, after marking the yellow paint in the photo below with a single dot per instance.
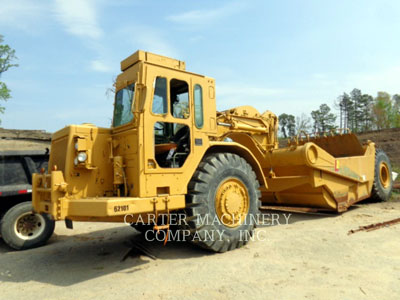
384 174
132 169
232 202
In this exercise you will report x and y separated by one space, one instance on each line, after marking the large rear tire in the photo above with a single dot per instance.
22 229
222 203
383 183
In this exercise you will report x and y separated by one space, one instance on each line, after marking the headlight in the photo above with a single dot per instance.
76 146
82 156
76 161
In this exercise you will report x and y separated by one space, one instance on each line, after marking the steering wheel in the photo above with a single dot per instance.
181 136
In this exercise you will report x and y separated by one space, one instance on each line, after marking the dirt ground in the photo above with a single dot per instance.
312 257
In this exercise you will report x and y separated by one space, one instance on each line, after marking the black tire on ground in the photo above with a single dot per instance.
212 173
21 229
383 183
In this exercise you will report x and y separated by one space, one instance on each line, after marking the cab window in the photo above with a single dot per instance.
198 106
179 97
160 96
123 106
171 144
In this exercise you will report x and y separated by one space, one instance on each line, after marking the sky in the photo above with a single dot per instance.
283 56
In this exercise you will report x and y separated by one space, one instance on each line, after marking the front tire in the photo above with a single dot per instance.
222 203
22 229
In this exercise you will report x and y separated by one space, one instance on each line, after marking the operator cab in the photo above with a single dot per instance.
160 104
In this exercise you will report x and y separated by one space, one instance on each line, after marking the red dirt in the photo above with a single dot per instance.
388 140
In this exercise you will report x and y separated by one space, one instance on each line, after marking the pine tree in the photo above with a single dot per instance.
364 110
324 120
346 107
291 126
355 112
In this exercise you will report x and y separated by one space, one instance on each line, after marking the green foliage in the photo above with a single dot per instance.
396 111
346 111
356 98
287 124
7 55
362 112
382 111
396 100
323 119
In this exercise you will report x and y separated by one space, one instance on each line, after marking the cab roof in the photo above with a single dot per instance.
152 58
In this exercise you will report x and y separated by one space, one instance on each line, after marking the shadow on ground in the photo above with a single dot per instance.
67 260
269 218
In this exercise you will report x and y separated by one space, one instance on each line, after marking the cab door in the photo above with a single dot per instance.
168 124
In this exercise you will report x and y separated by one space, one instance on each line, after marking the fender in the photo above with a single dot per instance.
238 149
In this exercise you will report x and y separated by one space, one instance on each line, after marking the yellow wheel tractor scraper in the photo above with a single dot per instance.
169 150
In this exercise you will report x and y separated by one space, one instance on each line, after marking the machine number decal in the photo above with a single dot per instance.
119 208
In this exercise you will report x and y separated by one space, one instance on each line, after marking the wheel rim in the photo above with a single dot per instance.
232 202
384 175
29 226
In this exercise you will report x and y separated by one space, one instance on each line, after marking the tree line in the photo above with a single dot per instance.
356 111
7 55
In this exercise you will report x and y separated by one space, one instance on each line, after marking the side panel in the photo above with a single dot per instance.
92 179
126 144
